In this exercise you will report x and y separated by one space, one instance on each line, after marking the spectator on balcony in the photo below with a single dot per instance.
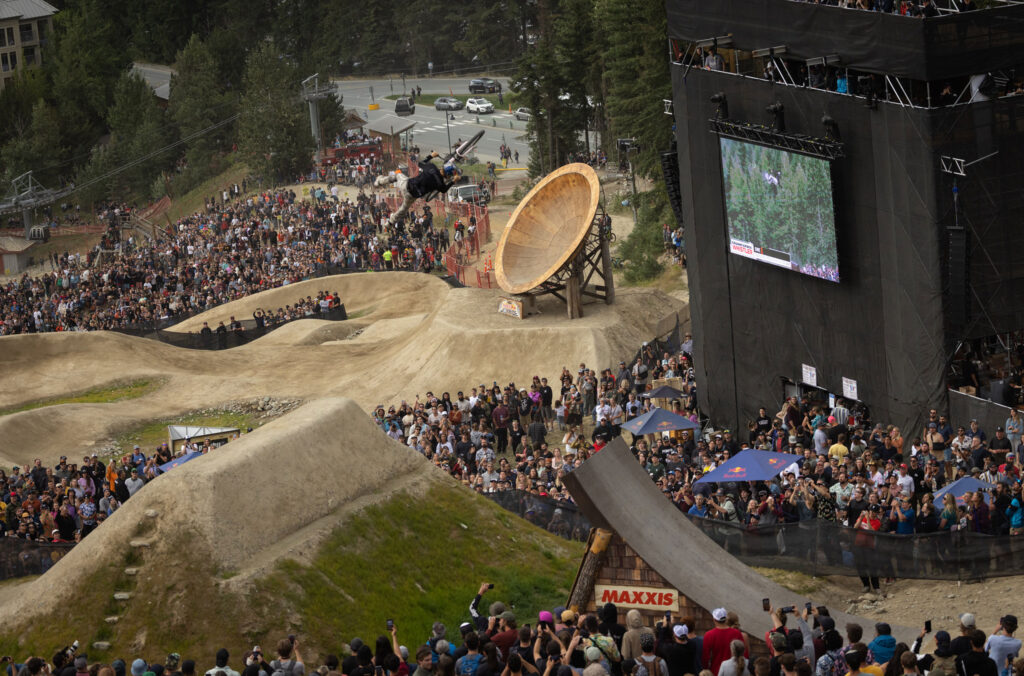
714 60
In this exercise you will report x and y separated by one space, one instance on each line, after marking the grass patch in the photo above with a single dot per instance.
801 583
670 279
97 395
152 434
195 200
81 242
418 559
415 558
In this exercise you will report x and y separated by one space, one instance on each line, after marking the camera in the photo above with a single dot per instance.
787 609
584 633
72 649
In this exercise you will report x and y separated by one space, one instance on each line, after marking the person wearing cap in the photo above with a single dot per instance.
1002 646
941 661
961 645
678 651
717 642
503 631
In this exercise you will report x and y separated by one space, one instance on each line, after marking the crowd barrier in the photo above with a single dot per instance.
19 558
222 341
818 547
562 519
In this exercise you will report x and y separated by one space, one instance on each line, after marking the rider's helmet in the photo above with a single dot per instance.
450 171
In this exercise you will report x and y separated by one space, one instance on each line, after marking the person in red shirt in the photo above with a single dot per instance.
717 641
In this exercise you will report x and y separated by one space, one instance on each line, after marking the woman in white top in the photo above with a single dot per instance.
736 665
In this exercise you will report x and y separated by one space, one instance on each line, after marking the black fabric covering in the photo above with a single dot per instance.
923 49
963 408
754 324
196 341
568 522
19 558
822 548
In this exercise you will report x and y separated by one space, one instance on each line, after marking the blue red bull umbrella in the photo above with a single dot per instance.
750 465
960 488
658 420
168 466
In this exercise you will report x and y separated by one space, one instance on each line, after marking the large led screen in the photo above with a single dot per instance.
779 208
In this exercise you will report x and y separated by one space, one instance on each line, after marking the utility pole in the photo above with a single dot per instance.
312 93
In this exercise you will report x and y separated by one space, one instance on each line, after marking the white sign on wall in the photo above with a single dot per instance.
850 388
809 374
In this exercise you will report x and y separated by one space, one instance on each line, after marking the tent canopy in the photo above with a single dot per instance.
179 432
751 465
960 488
663 392
658 420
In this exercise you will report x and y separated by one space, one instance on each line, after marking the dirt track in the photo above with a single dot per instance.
419 335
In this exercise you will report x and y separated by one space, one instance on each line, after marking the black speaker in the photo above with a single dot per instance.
959 296
670 170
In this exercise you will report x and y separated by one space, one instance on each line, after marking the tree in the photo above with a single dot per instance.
636 77
199 101
138 129
273 133
37 149
86 63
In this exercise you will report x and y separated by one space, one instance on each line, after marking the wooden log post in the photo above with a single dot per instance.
589 569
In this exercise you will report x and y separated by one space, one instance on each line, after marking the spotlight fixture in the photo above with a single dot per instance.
722 112
831 128
778 112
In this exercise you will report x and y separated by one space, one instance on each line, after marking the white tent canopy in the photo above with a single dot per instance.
183 432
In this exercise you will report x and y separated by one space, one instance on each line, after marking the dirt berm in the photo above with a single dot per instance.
273 493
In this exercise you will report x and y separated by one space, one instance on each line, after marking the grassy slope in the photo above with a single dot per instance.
415 558
194 200
97 395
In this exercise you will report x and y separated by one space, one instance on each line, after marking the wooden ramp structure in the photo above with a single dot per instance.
557 240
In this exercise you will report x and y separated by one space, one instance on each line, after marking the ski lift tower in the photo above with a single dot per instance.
25 194
312 93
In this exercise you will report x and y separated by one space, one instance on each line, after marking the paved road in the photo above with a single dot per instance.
431 131
156 76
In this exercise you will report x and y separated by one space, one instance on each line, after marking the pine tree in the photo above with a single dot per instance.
198 101
273 132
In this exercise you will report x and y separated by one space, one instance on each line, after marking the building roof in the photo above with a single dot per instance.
388 125
14 244
25 9
178 432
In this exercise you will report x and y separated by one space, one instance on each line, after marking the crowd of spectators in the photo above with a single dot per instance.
66 502
235 247
561 642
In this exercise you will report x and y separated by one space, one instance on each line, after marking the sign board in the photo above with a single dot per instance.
809 374
511 307
646 598
850 388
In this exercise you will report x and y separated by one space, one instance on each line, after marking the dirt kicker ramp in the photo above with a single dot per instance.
615 493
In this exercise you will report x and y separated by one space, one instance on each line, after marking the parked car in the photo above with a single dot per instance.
483 85
523 114
404 106
468 192
448 103
479 106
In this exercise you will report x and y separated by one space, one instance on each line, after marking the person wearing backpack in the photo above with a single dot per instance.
289 661
469 664
650 664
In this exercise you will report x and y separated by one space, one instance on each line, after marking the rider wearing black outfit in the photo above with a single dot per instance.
430 179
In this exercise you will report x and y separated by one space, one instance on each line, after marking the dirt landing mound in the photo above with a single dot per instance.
291 481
